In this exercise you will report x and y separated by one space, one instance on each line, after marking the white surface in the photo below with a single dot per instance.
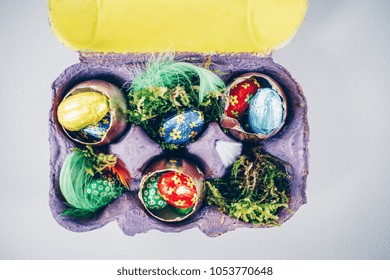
339 56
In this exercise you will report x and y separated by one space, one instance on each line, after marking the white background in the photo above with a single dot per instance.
340 58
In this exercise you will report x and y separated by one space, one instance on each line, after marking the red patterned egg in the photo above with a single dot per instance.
240 95
177 189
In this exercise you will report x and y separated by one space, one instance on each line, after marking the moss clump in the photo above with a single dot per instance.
256 190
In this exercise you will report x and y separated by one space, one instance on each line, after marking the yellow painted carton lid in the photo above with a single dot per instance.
139 26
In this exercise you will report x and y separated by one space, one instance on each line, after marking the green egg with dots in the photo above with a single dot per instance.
103 188
150 194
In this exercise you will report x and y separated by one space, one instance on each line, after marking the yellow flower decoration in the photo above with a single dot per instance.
246 85
84 133
193 134
180 119
190 184
200 114
235 113
162 131
106 121
193 124
94 126
172 163
233 100
101 134
179 202
176 180
170 190
175 134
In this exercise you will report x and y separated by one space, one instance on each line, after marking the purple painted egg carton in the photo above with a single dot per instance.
137 150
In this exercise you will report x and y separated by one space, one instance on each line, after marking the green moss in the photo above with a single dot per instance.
256 190
166 87
149 107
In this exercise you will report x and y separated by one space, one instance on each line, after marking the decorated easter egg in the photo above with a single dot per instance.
266 111
103 188
93 133
178 189
150 194
240 95
182 128
82 109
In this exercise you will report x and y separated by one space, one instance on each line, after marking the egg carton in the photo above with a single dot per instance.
138 150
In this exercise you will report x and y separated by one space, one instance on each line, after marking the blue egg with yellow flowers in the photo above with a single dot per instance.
182 128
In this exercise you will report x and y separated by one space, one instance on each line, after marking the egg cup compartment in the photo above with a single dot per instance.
137 150
107 128
174 207
250 85
95 78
